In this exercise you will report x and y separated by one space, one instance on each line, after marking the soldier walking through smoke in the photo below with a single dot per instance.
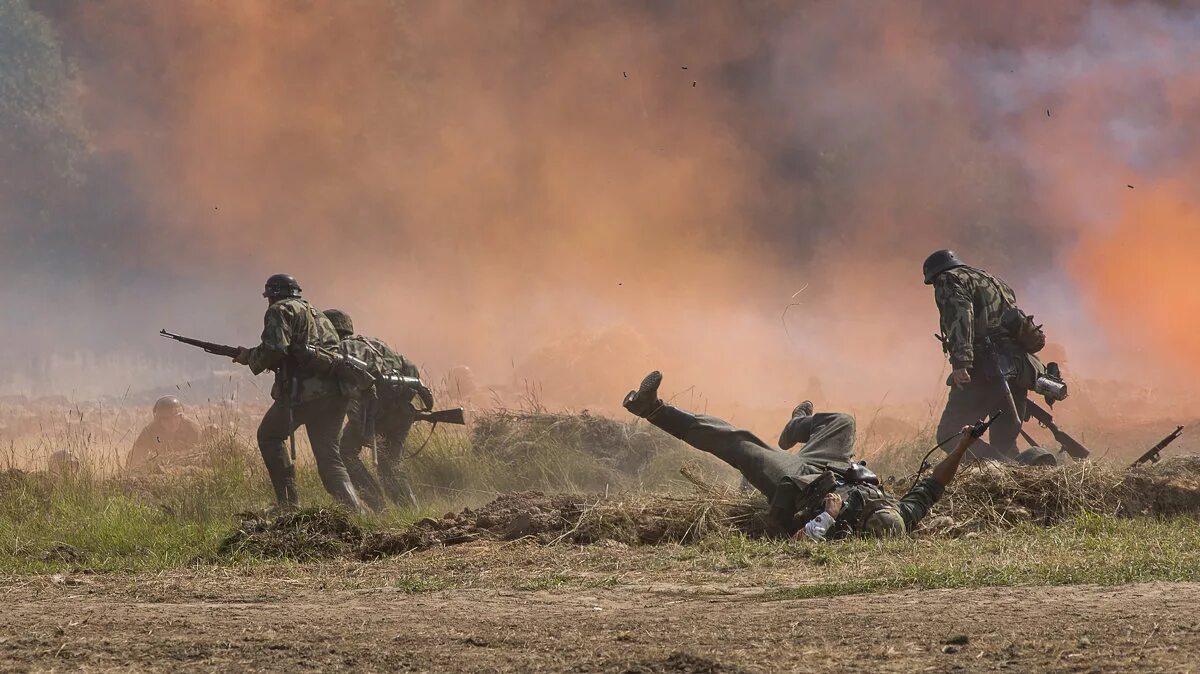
991 345
817 492
382 415
296 342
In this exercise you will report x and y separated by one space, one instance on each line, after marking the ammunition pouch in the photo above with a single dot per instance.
1022 330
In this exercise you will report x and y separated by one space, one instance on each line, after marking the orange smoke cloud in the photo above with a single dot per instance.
1135 272
574 193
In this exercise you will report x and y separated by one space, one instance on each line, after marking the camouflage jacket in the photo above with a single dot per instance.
293 321
971 303
381 357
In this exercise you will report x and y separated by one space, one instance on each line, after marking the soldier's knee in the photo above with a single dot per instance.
266 435
845 421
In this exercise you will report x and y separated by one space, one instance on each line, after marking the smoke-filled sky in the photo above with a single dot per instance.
571 193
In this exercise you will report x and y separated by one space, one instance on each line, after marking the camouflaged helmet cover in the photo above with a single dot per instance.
341 322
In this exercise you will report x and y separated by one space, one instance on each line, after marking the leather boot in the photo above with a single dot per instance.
798 429
283 481
645 401
343 492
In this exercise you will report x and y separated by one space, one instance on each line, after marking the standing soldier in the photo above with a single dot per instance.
990 343
295 338
388 415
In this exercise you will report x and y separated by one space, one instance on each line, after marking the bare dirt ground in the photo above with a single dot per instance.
225 620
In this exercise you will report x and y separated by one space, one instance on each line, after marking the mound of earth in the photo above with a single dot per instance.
676 663
304 535
999 496
984 497
621 446
581 520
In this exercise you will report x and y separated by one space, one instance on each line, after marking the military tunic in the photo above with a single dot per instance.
294 322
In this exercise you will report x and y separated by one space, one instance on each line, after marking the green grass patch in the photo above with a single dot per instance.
1089 549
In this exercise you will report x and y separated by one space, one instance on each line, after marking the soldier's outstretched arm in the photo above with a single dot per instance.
945 471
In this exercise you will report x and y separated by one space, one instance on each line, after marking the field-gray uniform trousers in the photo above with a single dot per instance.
982 397
322 420
390 423
828 438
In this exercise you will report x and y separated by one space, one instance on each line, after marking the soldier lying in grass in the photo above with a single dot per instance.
817 493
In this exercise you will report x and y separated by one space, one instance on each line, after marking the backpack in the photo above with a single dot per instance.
1021 328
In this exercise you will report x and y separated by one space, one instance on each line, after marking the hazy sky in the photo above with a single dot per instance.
574 192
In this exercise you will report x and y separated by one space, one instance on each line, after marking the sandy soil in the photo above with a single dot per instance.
225 621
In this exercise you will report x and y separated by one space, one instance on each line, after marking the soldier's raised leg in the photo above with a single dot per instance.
761 465
394 427
322 419
1003 434
354 438
828 437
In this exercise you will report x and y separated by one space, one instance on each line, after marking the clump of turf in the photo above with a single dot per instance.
629 519
304 535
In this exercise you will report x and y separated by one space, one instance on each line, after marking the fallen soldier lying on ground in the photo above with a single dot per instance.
818 492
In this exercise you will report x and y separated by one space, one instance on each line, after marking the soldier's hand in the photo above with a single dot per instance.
833 504
243 356
961 377
966 439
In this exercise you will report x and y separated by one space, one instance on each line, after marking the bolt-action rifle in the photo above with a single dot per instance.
1069 444
288 385
210 347
1152 455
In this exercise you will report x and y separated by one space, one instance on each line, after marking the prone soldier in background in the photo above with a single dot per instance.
991 345
170 433
297 343
381 416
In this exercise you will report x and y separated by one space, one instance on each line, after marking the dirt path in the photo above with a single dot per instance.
237 623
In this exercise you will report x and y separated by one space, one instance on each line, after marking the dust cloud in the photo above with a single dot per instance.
564 195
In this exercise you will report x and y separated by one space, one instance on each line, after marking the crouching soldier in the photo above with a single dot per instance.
381 416
817 493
